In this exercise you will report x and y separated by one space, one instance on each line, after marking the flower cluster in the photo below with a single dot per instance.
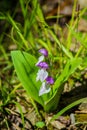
42 73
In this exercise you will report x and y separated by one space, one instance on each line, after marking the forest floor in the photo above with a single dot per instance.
12 117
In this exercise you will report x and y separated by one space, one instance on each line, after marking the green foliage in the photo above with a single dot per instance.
25 67
69 68
32 33
40 124
26 70
67 108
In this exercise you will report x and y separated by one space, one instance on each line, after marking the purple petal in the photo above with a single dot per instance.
50 80
43 65
44 52
41 75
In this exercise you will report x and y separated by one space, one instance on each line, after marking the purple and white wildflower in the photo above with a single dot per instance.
43 65
44 89
50 80
43 52
41 75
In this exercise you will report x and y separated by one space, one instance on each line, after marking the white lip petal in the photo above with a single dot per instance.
44 89
41 75
41 58
44 75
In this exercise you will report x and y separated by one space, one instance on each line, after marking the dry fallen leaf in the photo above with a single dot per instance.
82 26
56 124
82 3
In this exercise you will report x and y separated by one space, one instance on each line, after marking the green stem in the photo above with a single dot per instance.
79 51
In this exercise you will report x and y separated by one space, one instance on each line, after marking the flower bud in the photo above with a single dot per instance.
43 52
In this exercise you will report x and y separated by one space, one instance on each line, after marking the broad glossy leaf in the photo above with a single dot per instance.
26 70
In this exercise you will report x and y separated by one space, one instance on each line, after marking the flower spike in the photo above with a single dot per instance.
42 74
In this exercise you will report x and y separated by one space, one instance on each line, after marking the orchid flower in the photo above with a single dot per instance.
42 74
44 89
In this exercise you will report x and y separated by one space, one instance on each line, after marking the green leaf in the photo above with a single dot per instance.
66 51
70 68
24 64
68 107
81 37
26 70
40 124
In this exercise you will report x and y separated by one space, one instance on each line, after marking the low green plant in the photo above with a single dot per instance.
25 63
35 33
26 70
